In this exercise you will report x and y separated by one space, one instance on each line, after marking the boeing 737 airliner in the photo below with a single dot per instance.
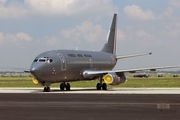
63 66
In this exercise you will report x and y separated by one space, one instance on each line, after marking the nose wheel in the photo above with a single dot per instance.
46 89
64 86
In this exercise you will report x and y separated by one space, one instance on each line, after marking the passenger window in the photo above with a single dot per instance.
87 55
79 55
71 55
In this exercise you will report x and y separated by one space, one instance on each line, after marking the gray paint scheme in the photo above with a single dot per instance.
110 45
75 65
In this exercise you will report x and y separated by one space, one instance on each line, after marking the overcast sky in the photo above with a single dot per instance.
30 27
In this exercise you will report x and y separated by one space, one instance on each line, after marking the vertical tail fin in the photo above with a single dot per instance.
110 45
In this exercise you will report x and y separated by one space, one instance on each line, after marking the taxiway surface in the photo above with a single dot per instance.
33 104
93 91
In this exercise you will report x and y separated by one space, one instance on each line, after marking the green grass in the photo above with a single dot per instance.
16 82
151 82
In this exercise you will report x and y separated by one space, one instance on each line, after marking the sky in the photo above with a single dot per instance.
30 27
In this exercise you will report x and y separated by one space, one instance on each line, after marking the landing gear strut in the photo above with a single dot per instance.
64 85
101 85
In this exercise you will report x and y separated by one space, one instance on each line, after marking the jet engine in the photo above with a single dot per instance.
35 81
114 78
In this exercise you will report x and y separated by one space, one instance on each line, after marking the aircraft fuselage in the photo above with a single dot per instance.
68 65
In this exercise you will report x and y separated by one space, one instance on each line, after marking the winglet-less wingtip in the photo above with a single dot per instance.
27 71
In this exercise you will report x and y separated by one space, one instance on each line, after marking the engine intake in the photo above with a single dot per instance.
114 78
35 81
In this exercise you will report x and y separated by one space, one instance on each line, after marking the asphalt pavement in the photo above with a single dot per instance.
48 106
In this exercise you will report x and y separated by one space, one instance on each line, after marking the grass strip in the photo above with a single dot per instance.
151 82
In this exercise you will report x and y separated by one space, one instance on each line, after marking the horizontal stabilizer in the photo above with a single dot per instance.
135 55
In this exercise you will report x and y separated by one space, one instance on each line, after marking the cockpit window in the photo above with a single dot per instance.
44 60
50 60
35 60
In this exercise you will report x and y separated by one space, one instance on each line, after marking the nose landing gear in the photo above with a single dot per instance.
64 85
46 86
46 89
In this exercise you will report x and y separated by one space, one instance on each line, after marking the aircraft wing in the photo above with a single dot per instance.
88 73
13 69
27 71
151 69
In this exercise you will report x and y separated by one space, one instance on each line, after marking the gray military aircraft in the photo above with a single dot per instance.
63 66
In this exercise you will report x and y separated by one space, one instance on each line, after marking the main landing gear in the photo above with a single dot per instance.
101 85
65 86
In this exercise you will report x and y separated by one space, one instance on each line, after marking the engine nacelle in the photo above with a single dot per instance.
35 81
114 78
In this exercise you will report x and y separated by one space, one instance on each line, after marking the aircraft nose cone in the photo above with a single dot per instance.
33 70
36 71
